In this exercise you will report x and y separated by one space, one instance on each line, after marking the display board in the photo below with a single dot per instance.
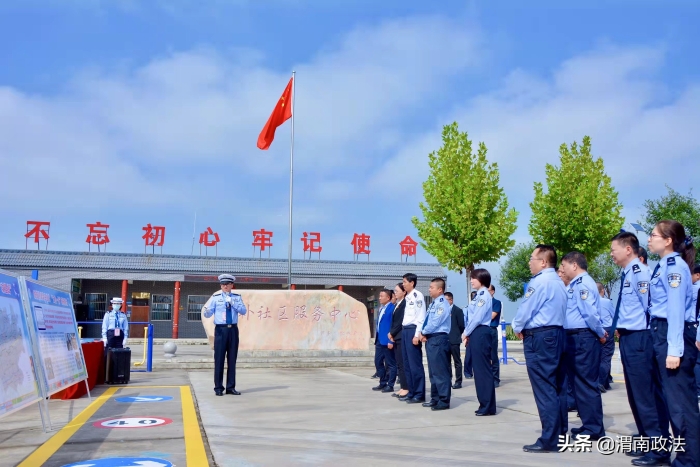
59 352
18 381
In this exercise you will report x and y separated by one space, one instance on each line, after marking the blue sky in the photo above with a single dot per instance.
130 112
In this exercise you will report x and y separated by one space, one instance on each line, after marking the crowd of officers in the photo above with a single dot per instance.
405 324
562 321
568 328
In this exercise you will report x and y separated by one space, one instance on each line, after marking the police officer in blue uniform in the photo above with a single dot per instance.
225 306
115 326
673 330
495 322
584 336
607 310
478 335
539 321
435 334
631 321
412 347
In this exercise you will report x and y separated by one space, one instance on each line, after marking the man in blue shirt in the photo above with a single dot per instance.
225 306
607 310
435 334
495 322
539 322
387 376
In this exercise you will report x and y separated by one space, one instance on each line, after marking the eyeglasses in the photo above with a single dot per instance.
652 235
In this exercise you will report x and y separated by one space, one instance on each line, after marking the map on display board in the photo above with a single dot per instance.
60 354
18 383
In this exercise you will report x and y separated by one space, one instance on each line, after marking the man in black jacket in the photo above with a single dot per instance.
456 330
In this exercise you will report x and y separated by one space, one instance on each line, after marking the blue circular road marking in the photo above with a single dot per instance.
138 399
123 462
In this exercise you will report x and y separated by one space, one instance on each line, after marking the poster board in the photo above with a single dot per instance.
58 350
18 380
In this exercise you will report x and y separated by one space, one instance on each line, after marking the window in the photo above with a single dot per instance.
97 305
161 307
194 306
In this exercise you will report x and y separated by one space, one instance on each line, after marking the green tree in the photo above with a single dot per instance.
580 210
674 206
466 218
602 269
515 270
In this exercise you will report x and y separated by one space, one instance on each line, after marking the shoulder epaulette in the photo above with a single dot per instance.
671 261
217 293
636 268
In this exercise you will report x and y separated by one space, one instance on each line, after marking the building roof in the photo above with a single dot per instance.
183 264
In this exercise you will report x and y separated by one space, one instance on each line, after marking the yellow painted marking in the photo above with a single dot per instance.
194 445
49 448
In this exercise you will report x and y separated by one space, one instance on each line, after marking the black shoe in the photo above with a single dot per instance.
601 388
429 404
576 431
388 389
415 400
484 414
375 376
379 388
497 384
396 394
636 453
651 461
457 386
537 448
233 391
469 376
219 393
440 407
404 398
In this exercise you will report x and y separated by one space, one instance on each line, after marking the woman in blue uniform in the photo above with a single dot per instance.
673 330
477 334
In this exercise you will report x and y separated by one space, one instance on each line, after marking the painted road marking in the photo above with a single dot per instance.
133 422
132 399
194 444
123 462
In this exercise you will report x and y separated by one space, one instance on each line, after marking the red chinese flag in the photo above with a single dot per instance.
281 113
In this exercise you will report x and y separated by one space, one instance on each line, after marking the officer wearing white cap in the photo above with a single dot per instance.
115 327
225 306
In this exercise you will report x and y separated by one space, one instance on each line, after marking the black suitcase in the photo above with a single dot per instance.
118 369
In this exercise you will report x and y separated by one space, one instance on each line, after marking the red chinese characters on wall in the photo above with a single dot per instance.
262 239
36 229
312 243
209 238
97 235
408 248
360 245
154 236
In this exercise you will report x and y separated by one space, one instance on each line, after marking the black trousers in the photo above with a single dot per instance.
379 363
680 390
480 343
644 391
413 361
225 346
606 356
457 360
437 348
468 365
398 353
583 359
544 359
389 362
495 364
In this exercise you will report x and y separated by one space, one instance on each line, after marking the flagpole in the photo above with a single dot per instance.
291 182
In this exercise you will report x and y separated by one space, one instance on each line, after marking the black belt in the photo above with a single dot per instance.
664 320
577 330
428 336
627 332
530 332
410 326
226 325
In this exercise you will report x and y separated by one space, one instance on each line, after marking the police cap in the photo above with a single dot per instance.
227 279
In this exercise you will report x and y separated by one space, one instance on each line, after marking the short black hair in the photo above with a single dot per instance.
576 257
440 283
696 269
550 254
483 276
628 239
449 295
410 277
492 287
642 253
389 292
